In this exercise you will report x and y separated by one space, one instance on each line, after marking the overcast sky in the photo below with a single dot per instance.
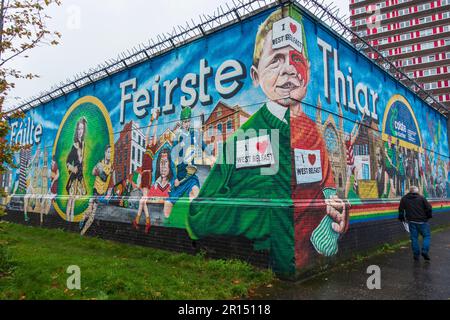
96 30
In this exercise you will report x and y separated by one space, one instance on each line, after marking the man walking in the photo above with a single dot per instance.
415 209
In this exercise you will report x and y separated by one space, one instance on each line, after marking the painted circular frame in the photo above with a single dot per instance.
98 134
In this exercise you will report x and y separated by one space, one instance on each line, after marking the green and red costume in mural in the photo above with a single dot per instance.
147 166
313 231
272 210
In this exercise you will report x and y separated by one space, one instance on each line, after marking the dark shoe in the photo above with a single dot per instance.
426 256
416 258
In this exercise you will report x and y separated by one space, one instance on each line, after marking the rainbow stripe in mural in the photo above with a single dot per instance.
370 211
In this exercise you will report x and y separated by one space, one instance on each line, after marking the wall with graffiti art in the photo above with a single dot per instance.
273 129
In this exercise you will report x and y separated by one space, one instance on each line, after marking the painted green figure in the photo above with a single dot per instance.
250 189
249 203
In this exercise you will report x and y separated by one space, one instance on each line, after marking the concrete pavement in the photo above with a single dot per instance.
402 278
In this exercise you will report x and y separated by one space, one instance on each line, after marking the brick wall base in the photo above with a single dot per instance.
361 238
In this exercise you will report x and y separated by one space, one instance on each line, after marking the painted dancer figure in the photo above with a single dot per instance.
160 190
381 175
350 157
102 172
31 193
54 179
400 171
391 168
53 190
302 215
76 186
146 171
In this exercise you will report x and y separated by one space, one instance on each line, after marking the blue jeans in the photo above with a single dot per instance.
424 230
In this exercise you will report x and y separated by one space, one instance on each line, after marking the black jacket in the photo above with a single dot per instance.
417 208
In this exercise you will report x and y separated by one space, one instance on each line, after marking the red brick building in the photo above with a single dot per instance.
129 151
221 123
413 34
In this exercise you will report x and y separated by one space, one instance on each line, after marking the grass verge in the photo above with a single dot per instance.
36 261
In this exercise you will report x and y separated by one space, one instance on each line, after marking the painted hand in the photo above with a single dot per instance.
337 210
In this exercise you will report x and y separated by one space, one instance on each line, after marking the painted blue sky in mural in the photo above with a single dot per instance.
237 43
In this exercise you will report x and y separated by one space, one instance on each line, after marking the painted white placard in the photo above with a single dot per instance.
287 32
308 166
254 152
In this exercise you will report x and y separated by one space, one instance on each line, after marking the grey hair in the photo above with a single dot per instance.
414 189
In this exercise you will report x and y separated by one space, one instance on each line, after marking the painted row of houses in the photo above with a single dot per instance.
223 121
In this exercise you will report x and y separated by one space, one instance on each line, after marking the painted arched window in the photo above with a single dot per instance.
331 139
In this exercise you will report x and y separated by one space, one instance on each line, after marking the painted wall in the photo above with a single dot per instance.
273 129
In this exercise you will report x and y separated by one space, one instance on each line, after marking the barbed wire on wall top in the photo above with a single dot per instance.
225 15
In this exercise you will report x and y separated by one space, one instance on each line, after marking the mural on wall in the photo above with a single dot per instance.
280 140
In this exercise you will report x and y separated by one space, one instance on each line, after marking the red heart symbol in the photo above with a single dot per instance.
262 146
293 28
312 159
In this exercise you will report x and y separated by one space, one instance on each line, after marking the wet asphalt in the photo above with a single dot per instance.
402 278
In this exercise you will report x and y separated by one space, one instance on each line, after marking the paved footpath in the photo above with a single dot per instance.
401 278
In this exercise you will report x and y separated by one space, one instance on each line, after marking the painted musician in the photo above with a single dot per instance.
102 173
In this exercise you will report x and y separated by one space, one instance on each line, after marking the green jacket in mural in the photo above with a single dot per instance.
244 202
